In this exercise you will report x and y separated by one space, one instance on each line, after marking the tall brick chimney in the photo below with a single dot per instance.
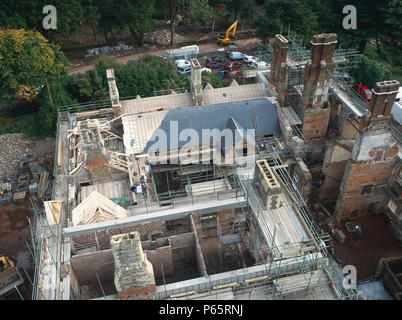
317 75
384 94
196 84
278 68
133 275
113 91
364 187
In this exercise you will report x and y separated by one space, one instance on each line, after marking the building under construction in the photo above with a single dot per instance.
129 220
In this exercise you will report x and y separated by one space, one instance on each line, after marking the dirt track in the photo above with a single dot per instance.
204 48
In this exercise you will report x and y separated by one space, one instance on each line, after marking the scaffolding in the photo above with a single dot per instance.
298 56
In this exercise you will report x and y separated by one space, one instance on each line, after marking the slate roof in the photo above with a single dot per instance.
217 116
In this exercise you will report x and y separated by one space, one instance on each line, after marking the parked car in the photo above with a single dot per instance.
232 65
216 59
259 65
206 70
363 91
182 63
341 75
222 74
250 59
234 74
235 55
213 65
186 70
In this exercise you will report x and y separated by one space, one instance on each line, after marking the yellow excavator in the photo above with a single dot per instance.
10 278
224 38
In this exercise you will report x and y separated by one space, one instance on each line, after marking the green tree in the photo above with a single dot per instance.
369 71
200 12
9 17
60 89
137 16
70 15
392 21
147 75
279 14
26 60
91 15
212 79
106 62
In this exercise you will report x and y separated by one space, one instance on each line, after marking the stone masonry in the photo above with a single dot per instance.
133 275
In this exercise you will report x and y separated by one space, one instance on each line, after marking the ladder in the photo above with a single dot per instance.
255 122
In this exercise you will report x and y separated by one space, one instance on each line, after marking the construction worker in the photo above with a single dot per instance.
358 231
134 187
144 189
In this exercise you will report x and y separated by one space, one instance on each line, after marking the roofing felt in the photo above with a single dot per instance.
217 116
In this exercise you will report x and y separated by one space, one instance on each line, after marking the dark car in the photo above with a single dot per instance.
216 59
230 66
363 90
213 65
222 74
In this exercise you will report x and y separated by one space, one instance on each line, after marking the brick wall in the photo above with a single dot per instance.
183 247
159 252
315 123
145 230
86 266
202 270
352 202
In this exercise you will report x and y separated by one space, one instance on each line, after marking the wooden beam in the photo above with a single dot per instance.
111 133
117 168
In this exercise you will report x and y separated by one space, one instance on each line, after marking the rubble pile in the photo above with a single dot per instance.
14 148
162 37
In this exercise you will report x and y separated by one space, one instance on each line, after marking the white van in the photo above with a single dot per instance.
235 55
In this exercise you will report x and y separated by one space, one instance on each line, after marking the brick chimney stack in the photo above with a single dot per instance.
317 75
133 275
384 94
278 68
196 84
